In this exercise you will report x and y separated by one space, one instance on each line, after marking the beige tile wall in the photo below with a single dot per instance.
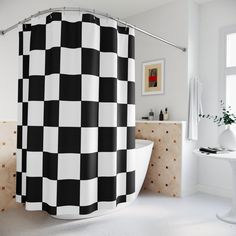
7 165
164 172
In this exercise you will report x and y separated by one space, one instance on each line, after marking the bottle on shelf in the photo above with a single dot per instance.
161 116
166 115
151 115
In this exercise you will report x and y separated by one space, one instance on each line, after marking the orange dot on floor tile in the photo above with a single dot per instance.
3 165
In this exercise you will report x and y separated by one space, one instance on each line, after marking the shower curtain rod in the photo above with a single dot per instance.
3 32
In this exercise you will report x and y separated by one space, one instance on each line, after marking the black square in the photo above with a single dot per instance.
35 138
70 87
121 115
49 209
107 188
108 90
123 30
23 160
89 114
20 90
51 113
18 183
131 92
68 192
130 137
25 113
91 19
84 210
120 199
19 137
52 65
38 37
26 66
71 34
122 68
50 165
21 44
69 140
107 139
108 39
88 166
36 88
121 161
55 16
131 48
130 182
90 62
34 189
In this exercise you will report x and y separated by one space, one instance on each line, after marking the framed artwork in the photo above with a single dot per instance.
153 77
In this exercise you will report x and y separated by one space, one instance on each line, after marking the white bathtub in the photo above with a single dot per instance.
143 155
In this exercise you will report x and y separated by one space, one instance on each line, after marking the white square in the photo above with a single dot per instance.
26 42
69 114
107 205
106 22
53 34
35 113
107 114
88 191
121 138
107 164
110 60
24 137
71 61
90 88
121 184
90 35
34 164
25 90
23 183
19 160
50 191
50 140
131 160
64 210
89 140
33 206
122 91
131 31
52 87
122 45
19 113
69 166
131 115
71 16
20 66
37 62
131 69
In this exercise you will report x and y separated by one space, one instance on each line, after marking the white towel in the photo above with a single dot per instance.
195 108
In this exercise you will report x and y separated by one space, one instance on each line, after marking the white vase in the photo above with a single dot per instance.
227 139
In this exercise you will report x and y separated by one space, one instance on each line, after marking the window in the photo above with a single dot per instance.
230 69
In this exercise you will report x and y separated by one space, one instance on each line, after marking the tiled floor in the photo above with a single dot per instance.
149 215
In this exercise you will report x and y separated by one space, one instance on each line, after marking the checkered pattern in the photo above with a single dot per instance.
76 114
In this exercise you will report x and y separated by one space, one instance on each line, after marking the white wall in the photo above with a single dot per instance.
214 176
169 21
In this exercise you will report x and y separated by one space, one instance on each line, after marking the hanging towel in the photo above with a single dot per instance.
195 108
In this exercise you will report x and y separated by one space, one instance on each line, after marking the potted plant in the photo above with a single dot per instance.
227 138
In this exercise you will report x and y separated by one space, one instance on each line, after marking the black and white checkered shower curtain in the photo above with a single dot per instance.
76 114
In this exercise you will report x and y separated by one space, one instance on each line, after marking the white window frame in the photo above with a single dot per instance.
224 71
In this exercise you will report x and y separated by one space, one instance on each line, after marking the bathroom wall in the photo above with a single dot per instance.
214 176
169 21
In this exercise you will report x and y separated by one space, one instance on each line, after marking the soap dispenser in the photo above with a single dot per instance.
161 116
